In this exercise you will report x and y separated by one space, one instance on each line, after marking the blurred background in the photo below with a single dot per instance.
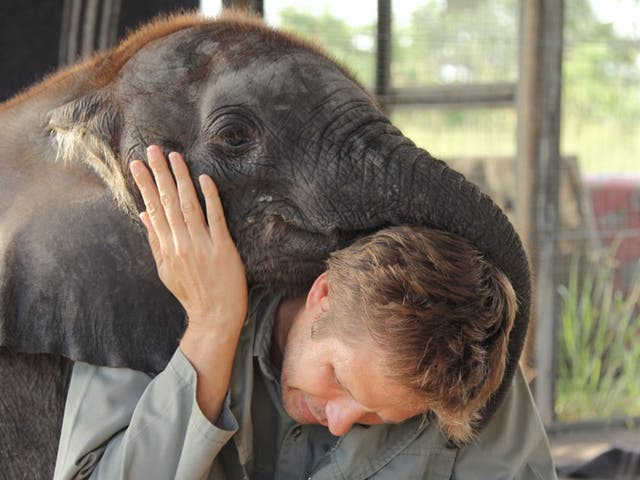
536 101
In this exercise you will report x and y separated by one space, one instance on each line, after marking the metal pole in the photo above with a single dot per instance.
538 169
383 54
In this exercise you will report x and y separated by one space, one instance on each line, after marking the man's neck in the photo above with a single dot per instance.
285 315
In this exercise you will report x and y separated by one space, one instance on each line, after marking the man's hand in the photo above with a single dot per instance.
200 265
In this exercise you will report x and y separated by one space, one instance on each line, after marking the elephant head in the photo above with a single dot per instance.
304 160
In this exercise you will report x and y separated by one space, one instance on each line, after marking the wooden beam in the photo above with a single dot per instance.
468 95
538 167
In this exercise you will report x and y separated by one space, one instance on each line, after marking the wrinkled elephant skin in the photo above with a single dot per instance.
304 161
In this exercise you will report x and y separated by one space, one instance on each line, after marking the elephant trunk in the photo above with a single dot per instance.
406 185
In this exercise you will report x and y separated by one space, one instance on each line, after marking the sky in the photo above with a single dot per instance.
624 14
359 12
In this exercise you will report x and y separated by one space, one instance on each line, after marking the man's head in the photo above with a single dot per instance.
421 314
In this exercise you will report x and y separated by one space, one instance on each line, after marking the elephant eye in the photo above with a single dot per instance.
234 133
234 136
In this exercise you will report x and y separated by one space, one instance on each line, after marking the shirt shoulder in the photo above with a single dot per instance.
513 444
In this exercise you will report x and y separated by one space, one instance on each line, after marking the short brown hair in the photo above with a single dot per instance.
438 309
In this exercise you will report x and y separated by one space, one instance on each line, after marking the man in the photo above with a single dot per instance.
395 350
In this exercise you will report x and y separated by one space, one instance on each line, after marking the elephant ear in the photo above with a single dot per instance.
86 131
76 275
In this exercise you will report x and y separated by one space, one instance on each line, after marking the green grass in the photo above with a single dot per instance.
601 147
448 133
598 349
604 147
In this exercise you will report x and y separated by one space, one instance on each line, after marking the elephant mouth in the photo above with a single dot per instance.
307 243
291 255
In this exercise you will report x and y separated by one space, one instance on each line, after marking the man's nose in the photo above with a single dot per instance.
342 415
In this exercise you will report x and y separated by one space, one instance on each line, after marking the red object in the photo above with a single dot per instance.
616 207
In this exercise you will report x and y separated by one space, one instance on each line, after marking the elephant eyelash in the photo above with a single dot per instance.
235 136
234 132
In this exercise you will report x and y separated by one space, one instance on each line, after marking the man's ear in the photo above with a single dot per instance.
318 296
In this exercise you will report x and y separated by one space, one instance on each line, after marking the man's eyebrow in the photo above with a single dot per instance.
344 387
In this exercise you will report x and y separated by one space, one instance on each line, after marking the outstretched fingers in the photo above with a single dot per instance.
154 243
174 219
189 204
168 194
151 197
215 213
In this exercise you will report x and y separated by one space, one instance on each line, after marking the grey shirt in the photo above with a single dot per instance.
121 423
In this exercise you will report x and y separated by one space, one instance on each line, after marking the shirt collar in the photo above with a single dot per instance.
265 317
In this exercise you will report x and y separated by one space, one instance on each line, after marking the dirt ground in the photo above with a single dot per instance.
580 446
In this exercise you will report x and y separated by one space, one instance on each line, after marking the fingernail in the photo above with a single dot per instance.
144 218
135 167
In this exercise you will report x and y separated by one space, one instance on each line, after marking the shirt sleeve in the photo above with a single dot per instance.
513 445
120 424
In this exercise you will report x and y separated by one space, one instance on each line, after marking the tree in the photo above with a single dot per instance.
457 41
354 47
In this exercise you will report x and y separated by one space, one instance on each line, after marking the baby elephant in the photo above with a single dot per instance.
304 160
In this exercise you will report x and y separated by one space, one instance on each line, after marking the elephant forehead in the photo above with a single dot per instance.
193 51
300 85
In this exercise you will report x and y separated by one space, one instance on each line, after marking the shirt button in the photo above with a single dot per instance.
296 431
